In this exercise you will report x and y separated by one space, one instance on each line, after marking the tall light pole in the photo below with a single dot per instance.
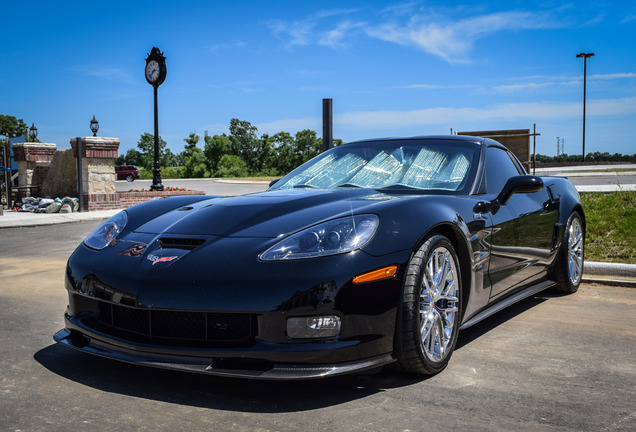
585 56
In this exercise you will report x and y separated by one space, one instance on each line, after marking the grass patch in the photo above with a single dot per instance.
611 226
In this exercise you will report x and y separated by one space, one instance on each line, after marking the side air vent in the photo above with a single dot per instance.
180 243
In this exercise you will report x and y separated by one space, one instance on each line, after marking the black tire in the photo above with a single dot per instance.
130 178
568 270
431 299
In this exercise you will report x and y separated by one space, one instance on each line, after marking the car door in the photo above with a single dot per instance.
522 237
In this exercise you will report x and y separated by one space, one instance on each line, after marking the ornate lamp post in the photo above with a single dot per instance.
155 75
94 126
585 56
33 132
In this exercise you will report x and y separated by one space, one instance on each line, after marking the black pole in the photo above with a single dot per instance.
585 57
327 124
80 183
7 173
534 149
584 97
156 178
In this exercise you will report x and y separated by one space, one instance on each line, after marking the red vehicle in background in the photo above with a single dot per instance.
127 172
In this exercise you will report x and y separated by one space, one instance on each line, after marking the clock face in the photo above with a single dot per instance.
152 71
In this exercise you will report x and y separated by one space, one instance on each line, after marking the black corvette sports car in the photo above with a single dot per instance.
372 253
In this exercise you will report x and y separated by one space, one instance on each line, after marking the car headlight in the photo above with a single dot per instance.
328 238
106 233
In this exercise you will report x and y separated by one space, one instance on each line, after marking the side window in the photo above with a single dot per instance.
499 168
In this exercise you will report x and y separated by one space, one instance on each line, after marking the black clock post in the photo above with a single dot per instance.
155 75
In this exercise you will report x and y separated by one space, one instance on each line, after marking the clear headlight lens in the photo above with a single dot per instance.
329 238
106 233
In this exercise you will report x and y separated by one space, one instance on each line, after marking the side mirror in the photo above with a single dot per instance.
273 182
519 184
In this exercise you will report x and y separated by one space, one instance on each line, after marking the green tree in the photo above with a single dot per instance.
12 127
180 158
215 147
195 165
308 145
283 159
146 146
167 158
232 166
132 157
191 141
246 144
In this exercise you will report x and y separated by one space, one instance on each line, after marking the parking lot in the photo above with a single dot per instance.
549 363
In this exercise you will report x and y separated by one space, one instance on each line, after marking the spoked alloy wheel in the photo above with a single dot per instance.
568 270
439 303
431 306
575 251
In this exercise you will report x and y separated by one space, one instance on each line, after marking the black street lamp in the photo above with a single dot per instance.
33 132
94 126
585 56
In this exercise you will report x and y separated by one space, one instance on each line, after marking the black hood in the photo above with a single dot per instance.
266 214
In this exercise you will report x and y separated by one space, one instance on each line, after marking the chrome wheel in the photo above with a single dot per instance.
439 304
575 251
568 268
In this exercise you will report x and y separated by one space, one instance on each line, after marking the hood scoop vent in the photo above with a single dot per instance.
180 243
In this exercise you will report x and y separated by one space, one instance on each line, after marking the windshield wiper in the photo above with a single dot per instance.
399 188
305 186
349 185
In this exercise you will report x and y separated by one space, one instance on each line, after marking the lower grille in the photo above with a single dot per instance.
165 327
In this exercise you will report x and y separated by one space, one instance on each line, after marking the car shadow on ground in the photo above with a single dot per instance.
241 395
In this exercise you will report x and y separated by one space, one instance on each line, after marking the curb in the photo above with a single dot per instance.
615 274
615 269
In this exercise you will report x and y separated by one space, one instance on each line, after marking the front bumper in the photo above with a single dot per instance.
219 366
174 315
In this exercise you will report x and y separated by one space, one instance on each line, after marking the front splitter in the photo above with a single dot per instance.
281 372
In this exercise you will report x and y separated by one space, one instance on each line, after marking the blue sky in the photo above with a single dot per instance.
392 68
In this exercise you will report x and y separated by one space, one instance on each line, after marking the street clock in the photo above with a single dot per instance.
155 67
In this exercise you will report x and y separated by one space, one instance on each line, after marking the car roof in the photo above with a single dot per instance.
459 138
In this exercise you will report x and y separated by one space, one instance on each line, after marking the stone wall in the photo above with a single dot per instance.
98 171
61 178
33 160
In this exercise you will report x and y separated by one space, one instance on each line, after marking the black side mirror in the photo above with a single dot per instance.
519 184
273 182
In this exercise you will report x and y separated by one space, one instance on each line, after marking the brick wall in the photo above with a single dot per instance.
34 152
119 200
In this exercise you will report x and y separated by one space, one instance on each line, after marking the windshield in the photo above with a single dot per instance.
389 165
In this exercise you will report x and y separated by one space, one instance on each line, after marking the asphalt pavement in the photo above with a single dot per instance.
548 363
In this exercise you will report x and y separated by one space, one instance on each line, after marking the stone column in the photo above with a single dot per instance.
33 161
98 171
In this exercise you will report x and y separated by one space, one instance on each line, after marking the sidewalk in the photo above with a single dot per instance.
14 219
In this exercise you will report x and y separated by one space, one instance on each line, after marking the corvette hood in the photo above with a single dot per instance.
266 214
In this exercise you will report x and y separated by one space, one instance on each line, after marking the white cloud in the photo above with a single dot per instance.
612 76
452 39
335 38
295 33
529 112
